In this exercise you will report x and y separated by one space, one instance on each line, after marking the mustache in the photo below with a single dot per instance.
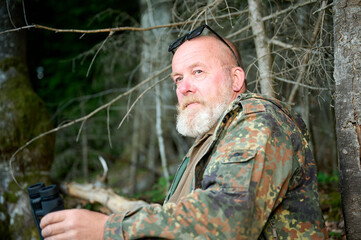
189 100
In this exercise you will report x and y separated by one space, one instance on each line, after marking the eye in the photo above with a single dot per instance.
198 71
177 79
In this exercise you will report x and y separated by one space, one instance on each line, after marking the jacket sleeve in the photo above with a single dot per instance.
246 178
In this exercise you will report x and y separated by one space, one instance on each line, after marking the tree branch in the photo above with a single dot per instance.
306 58
276 14
105 196
82 119
117 29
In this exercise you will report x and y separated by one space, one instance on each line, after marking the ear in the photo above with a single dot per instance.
238 80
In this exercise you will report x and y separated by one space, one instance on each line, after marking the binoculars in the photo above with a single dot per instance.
44 200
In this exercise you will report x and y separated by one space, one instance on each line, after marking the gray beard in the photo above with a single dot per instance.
196 124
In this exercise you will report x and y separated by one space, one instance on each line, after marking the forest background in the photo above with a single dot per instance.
106 94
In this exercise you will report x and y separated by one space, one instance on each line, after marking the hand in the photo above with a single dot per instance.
73 224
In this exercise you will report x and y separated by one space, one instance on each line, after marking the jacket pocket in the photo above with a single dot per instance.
234 174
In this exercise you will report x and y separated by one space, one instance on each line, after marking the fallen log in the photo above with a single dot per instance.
105 196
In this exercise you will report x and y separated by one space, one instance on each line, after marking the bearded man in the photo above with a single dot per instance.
250 173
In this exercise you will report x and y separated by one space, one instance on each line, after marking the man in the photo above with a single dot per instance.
249 175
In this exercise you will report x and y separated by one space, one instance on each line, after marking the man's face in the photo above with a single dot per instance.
204 86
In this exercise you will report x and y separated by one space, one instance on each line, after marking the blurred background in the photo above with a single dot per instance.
73 73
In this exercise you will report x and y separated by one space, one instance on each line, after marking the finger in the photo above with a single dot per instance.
52 218
52 230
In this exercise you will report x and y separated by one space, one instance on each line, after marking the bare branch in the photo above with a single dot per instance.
82 119
287 10
105 196
25 19
323 8
301 84
119 29
286 45
108 127
307 56
104 177
276 14
139 97
8 9
101 46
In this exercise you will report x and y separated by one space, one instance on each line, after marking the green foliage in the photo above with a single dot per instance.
158 192
93 207
335 235
330 196
324 178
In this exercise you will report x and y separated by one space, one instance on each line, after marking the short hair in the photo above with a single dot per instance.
235 50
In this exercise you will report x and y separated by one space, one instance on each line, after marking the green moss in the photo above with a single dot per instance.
27 229
11 197
19 65
23 116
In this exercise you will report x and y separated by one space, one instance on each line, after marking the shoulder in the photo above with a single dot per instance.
268 110
253 103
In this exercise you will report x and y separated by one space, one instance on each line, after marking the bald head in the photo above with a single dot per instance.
216 48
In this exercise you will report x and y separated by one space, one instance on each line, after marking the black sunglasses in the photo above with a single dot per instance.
195 33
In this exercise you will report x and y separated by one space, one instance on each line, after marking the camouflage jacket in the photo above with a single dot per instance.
257 181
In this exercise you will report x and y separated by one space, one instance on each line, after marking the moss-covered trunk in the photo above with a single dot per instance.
23 116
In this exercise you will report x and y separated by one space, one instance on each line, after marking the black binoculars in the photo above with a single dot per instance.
44 200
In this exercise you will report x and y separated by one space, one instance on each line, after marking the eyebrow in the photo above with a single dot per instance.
172 74
196 64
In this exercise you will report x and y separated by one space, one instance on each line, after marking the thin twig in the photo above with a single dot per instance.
276 14
80 129
306 58
105 169
291 8
286 45
95 55
139 97
301 84
25 19
11 19
230 19
108 127
323 8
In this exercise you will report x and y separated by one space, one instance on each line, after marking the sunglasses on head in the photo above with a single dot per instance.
195 33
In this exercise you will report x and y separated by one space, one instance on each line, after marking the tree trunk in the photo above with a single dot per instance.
154 56
262 47
347 74
23 116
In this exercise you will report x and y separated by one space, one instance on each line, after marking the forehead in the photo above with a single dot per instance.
202 50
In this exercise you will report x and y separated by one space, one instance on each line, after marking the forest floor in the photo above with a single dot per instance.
330 199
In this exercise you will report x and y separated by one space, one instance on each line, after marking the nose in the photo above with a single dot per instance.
185 86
